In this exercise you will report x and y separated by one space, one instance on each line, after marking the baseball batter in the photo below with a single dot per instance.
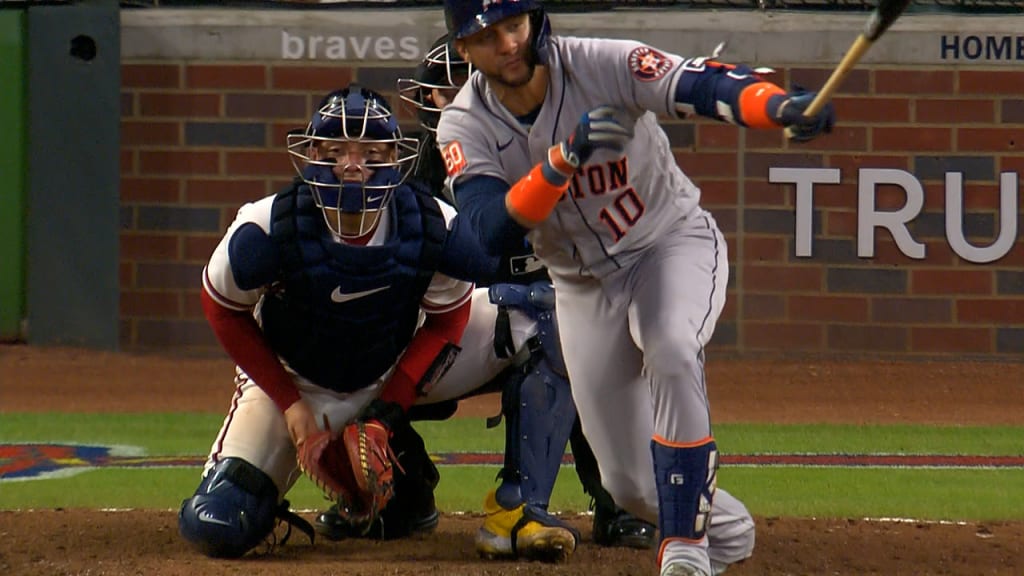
557 138
536 403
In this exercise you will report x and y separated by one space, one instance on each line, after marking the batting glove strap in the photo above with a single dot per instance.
560 165
788 110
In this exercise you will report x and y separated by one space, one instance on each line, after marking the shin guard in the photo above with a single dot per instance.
685 477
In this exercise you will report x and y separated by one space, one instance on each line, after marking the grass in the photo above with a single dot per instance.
955 494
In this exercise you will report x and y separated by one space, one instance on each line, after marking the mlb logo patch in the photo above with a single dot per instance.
648 65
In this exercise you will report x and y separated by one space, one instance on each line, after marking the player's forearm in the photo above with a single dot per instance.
242 339
465 257
429 350
482 202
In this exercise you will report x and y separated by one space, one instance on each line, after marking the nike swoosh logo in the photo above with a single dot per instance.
205 516
342 297
501 147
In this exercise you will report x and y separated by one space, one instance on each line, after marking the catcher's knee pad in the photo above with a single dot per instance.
232 511
685 477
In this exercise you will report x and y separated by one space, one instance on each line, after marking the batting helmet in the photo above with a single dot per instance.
442 69
353 114
469 17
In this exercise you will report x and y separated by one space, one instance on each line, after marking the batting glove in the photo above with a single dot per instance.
788 110
603 127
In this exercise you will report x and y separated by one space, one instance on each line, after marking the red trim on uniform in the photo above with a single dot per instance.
673 444
753 104
220 298
242 339
432 308
436 331
218 444
364 239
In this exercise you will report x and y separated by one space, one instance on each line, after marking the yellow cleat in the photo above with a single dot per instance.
502 536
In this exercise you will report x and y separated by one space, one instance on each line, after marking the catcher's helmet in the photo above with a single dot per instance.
469 17
443 69
352 115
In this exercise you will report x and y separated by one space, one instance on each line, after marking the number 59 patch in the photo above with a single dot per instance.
454 159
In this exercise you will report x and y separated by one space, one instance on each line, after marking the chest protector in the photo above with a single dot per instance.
341 314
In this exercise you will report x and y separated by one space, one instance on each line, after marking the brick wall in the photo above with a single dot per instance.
199 139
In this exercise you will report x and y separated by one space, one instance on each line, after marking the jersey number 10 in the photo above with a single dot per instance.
623 213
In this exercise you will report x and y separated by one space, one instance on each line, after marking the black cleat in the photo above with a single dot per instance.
621 529
331 526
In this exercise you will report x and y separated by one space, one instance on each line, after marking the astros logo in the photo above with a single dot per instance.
647 64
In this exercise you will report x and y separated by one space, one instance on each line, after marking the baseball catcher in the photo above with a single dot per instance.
340 300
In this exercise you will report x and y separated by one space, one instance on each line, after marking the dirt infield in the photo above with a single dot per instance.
139 542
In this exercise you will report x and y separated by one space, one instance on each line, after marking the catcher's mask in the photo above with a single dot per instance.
352 156
442 69
465 18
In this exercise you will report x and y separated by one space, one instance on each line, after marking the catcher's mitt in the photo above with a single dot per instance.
353 469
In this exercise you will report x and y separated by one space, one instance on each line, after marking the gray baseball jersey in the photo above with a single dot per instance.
618 203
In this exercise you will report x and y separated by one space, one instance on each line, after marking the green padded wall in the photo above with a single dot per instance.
12 173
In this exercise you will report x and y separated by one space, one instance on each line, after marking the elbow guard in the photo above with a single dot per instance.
734 94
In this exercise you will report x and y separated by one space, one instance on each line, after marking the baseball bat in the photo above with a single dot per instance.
880 20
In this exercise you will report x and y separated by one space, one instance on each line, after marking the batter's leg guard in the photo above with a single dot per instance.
685 476
233 509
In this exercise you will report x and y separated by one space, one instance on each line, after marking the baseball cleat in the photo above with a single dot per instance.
532 540
620 528
332 526
681 569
